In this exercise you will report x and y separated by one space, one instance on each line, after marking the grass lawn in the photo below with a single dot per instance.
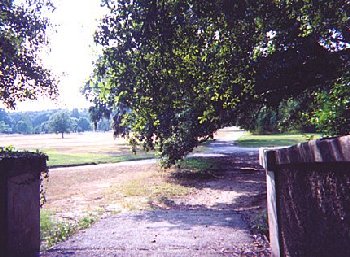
275 140
77 148
70 159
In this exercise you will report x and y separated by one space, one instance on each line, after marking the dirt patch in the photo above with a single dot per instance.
230 185
74 192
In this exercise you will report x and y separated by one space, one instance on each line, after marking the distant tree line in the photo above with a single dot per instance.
50 121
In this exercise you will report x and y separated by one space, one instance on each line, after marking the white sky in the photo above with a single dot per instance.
72 52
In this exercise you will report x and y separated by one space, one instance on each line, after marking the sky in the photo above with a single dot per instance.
72 52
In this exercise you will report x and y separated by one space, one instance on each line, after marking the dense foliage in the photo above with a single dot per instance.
332 111
42 122
184 68
22 34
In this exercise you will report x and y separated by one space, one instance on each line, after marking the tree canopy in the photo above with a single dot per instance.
185 68
22 34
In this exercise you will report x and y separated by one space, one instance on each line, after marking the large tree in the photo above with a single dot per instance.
22 34
188 67
60 122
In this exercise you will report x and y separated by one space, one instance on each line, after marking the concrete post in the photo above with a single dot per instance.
266 159
20 203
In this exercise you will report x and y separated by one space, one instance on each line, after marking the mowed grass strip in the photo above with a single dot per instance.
274 140
57 159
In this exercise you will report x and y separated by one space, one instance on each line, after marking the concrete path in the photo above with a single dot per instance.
189 230
225 145
160 233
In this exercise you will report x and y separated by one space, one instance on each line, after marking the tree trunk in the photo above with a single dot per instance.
62 134
95 126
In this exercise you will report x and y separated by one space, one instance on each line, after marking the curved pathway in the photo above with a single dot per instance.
207 223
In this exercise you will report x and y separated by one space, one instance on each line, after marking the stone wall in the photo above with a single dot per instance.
309 198
20 203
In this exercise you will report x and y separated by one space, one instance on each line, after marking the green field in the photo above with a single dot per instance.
61 159
275 140
77 148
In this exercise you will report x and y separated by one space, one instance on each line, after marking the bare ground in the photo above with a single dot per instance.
77 191
210 217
